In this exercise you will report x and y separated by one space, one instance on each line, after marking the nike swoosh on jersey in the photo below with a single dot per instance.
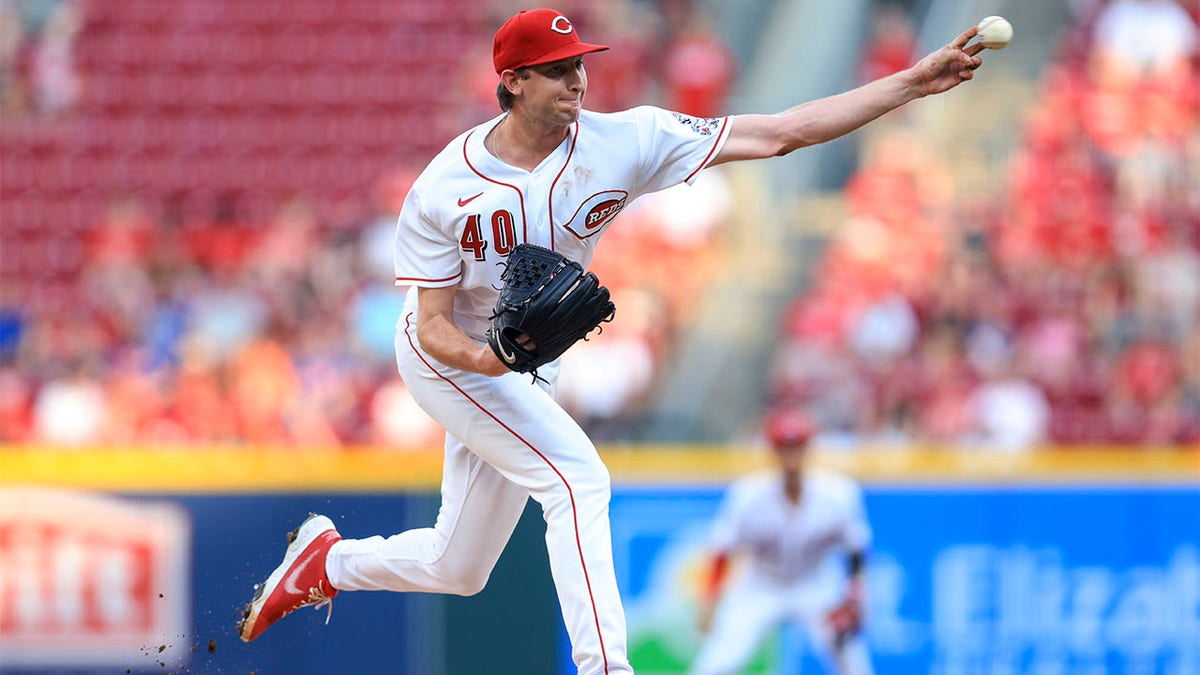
464 201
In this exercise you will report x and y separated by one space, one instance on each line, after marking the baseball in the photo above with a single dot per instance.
994 32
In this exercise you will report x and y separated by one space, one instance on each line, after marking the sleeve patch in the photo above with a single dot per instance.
702 126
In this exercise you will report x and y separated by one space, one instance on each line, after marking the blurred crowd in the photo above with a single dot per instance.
1066 311
197 234
149 296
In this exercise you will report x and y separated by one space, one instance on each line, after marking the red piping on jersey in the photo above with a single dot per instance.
707 158
574 515
550 198
520 195
430 281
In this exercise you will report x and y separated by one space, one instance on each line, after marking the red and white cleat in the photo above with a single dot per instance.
299 581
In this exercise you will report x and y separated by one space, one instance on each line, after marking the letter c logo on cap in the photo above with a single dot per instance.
561 25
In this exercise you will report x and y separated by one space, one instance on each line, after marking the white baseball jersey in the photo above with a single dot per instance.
788 543
506 437
468 209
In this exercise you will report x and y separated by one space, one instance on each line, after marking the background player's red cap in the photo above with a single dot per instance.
537 36
789 428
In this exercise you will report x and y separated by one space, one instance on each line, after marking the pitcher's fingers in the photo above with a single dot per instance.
964 37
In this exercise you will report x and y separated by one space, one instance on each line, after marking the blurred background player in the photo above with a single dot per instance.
788 525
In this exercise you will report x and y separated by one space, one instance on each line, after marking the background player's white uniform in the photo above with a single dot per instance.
506 438
791 569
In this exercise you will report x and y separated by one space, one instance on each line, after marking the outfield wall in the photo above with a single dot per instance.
1056 562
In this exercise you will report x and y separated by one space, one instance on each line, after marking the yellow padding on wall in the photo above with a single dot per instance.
241 469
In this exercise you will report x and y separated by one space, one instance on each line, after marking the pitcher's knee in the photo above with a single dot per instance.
595 485
464 580
590 491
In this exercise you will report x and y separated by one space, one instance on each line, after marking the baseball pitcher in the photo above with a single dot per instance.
547 173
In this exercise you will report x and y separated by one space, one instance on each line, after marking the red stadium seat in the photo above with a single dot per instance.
84 208
366 11
328 86
109 88
240 47
219 87
133 12
186 48
124 46
314 11
104 171
165 87
294 45
255 130
15 175
277 86
357 46
18 254
256 14
19 213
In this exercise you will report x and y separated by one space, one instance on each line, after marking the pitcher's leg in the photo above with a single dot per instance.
554 460
480 508
517 428
579 542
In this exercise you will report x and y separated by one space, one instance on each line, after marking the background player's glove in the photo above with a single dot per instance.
546 305
845 620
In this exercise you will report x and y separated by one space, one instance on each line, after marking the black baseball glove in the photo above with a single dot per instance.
547 304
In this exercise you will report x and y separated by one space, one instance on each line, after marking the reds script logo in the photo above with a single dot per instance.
596 212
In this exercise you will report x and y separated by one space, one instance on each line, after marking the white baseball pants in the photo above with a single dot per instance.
507 439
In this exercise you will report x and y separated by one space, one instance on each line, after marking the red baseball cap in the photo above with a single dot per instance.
789 428
537 36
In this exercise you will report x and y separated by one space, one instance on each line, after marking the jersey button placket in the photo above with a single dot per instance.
539 216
